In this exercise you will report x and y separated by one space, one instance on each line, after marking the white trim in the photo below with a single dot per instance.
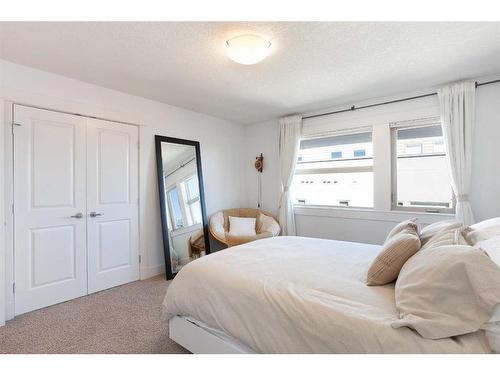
3 124
184 230
419 108
381 138
412 124
9 219
337 132
416 123
369 214
354 169
152 271
198 340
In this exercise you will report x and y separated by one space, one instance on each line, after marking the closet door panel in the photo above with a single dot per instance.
112 202
49 208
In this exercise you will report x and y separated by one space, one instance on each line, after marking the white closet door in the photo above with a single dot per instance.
112 204
49 208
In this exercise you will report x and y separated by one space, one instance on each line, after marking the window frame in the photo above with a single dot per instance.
354 169
186 205
412 124
170 207
187 201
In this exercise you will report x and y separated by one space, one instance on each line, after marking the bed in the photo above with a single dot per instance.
293 295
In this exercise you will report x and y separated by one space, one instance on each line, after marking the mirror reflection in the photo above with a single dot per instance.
182 202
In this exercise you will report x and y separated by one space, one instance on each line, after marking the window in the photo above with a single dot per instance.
184 203
359 153
192 200
175 209
421 176
414 149
330 173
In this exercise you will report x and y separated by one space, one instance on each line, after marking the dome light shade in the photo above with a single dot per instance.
248 49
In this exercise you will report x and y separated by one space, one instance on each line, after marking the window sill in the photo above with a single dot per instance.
369 214
184 230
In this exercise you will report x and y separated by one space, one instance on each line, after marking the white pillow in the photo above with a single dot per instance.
242 226
483 230
447 291
492 248
492 332
429 231
493 222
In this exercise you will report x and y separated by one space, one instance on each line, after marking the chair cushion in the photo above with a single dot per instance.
239 240
267 223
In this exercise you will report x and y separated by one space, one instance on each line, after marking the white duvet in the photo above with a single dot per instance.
300 295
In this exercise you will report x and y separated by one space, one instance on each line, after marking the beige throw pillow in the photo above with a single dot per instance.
447 291
404 225
395 252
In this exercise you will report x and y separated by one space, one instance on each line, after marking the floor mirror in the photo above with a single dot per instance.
182 202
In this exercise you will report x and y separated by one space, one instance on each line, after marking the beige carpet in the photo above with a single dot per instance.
125 319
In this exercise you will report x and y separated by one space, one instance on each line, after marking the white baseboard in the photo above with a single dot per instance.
9 311
148 272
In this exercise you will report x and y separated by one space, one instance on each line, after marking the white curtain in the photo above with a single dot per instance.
290 130
457 105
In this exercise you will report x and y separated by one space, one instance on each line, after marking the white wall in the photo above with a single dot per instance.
221 142
262 138
485 187
372 225
2 216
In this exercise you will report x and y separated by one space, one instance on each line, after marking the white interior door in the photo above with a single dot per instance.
49 208
112 203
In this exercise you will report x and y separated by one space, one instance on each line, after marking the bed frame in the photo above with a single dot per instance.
198 340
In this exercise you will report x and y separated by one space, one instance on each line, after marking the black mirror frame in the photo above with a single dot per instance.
163 204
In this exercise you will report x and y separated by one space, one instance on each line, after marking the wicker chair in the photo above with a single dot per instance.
265 225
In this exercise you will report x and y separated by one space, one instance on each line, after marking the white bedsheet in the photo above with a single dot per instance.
300 295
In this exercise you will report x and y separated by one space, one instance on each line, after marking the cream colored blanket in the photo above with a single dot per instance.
300 295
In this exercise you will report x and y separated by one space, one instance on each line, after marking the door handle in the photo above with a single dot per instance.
79 215
95 214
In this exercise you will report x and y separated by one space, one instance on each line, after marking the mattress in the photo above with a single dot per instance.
300 295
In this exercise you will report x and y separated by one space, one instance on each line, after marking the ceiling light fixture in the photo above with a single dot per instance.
248 49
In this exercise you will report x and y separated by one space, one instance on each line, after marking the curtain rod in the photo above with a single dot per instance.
180 167
353 108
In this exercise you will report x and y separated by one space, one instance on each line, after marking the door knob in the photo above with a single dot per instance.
95 214
79 215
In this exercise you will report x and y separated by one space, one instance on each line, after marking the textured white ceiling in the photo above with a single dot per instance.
312 65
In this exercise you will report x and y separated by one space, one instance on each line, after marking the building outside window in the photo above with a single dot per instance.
359 153
332 171
337 170
421 174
